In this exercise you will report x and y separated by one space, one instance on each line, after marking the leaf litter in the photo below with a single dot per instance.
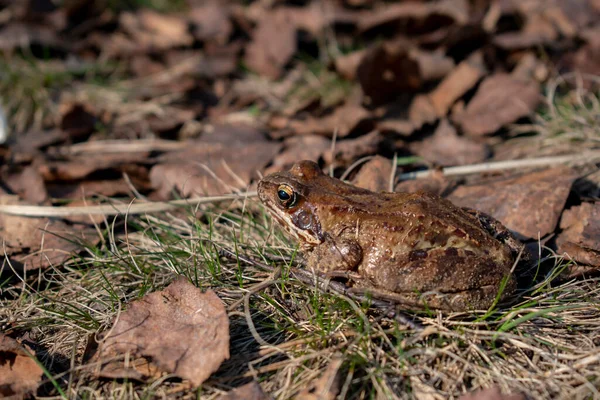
217 94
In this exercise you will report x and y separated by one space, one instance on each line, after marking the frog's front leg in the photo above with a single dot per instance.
335 254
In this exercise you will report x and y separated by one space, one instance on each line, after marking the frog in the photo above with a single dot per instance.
418 249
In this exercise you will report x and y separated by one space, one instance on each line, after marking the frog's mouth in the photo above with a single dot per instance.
305 237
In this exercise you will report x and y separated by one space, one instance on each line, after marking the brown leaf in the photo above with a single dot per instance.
295 148
374 175
529 205
446 148
210 22
537 31
580 237
80 167
421 111
464 77
182 330
492 393
153 31
501 99
29 185
273 44
349 150
327 387
347 65
221 161
395 67
249 391
32 140
416 17
18 35
20 375
436 183
33 243
342 121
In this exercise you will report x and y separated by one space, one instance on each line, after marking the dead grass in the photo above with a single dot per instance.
545 345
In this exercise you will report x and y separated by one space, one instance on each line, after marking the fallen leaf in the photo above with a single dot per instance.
273 44
33 140
20 375
529 205
210 22
464 77
421 111
538 31
78 121
342 121
18 35
182 330
374 175
445 148
29 185
501 99
32 243
222 160
80 167
585 60
492 393
395 67
295 148
249 391
580 236
327 387
349 150
347 65
417 17
153 31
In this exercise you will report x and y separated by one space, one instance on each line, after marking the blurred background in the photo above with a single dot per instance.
249 87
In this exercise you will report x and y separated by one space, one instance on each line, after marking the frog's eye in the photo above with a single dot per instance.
286 196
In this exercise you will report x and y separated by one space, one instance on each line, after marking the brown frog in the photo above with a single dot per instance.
417 248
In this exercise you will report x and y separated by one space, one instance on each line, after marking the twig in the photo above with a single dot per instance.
115 209
582 158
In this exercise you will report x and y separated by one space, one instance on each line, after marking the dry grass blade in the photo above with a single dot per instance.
116 209
586 157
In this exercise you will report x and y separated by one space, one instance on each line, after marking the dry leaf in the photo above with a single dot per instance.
501 99
210 22
182 330
419 16
347 65
153 31
295 148
29 185
222 160
273 44
327 387
80 167
580 238
529 205
349 150
457 83
20 375
33 243
394 67
342 121
445 148
374 175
